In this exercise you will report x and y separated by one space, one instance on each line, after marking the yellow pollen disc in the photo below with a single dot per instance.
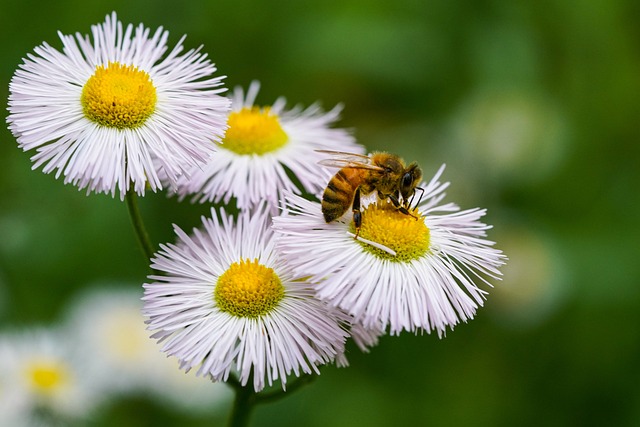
124 337
407 236
248 289
119 96
254 131
46 376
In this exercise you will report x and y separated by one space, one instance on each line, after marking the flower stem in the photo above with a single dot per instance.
279 394
242 406
138 225
246 399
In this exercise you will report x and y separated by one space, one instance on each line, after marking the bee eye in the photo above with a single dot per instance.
407 179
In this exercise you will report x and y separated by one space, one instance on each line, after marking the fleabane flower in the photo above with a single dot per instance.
113 113
414 272
109 326
46 374
227 303
261 150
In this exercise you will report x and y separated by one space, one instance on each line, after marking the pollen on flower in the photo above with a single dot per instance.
119 96
45 376
254 131
248 289
384 224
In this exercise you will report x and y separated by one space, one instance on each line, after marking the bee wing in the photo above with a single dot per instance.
347 160
353 157
343 163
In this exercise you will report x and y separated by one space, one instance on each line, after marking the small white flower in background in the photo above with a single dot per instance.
186 391
108 324
262 147
14 402
114 113
227 303
45 376
429 283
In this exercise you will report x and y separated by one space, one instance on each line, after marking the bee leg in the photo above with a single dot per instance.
357 215
400 206
414 196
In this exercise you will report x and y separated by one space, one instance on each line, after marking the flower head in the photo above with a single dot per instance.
116 112
44 373
405 272
109 326
262 148
228 303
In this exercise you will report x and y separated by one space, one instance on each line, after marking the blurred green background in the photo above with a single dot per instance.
533 106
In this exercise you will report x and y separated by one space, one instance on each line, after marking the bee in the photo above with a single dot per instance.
360 175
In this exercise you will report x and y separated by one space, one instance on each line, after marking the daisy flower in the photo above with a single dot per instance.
46 375
405 272
187 392
14 404
112 114
262 148
109 325
226 302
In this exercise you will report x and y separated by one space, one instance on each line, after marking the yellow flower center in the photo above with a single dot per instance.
126 336
45 376
254 131
248 289
118 96
407 236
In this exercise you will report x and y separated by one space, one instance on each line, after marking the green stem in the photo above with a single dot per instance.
278 394
246 399
242 406
138 224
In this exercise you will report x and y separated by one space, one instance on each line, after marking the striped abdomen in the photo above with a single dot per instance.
338 196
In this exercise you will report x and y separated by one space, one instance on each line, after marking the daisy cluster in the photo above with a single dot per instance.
97 354
277 281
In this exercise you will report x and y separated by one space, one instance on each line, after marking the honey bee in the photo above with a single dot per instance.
360 175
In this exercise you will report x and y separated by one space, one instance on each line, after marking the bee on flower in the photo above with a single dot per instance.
407 268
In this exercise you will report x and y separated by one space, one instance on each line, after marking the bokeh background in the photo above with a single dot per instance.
533 106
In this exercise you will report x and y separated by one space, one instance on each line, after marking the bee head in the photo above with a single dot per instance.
410 179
